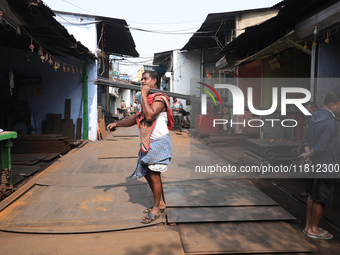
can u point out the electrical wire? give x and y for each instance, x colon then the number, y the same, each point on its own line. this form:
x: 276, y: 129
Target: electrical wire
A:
x: 169, y: 23
x: 173, y: 32
x: 56, y: 30
x: 78, y: 7
x: 165, y: 32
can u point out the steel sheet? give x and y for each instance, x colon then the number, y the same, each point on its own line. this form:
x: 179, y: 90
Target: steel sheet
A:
x: 124, y: 132
x: 23, y: 170
x: 78, y: 209
x: 214, y: 193
x: 122, y: 243
x: 224, y: 214
x: 242, y: 238
x: 122, y: 148
x: 93, y: 173
x: 17, y: 178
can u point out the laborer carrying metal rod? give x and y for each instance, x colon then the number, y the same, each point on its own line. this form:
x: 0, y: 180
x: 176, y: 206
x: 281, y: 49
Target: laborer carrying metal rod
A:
x: 154, y: 123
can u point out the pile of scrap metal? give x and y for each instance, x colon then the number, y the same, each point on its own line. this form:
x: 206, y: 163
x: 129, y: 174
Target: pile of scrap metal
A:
x: 270, y: 151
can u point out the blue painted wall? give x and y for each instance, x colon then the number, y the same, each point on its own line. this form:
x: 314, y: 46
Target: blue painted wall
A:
x: 58, y: 85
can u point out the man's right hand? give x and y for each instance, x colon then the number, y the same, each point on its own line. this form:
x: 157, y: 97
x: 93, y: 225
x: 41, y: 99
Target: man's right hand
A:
x: 111, y: 127
x: 306, y: 157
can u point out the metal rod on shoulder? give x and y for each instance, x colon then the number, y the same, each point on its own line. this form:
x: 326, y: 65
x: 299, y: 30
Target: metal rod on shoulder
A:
x: 123, y: 85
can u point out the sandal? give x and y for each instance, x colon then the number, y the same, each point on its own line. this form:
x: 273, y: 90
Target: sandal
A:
x: 147, y: 210
x: 150, y: 218
x: 324, y: 230
x: 321, y: 236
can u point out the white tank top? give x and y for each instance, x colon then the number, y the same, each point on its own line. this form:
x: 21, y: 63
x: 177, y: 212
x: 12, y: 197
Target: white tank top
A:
x: 161, y: 127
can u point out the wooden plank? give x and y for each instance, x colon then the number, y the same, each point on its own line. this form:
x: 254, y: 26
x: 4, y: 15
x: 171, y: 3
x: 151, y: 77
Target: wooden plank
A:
x: 242, y: 238
x: 43, y: 126
x: 49, y: 123
x: 57, y: 124
x: 99, y: 135
x: 67, y: 128
x: 79, y: 126
x: 225, y: 214
x: 67, y: 109
x: 102, y: 128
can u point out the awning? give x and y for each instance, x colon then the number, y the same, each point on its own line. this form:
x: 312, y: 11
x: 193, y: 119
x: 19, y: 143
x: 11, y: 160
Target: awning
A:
x: 24, y: 20
x: 162, y: 57
x: 291, y: 40
x: 117, y: 36
x: 213, y: 30
x: 257, y: 38
x: 33, y: 19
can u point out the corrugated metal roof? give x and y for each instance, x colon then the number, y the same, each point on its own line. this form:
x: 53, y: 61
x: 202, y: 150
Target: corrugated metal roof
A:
x: 257, y: 38
x: 162, y: 57
x: 117, y: 37
x: 212, y: 27
x: 37, y: 21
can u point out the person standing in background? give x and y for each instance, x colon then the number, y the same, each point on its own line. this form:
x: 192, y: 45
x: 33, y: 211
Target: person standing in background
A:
x: 123, y: 107
x: 177, y: 113
x: 322, y: 152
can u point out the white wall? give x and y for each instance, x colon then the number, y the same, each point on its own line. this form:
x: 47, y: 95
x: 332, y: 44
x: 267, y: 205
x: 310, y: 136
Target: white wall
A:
x: 126, y: 96
x: 186, y: 65
x: 86, y: 33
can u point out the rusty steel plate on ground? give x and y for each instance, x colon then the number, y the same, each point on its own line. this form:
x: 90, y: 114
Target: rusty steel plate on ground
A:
x: 93, y: 172
x: 242, y: 238
x: 120, y: 149
x: 193, y: 193
x: 224, y: 214
x: 185, y: 157
x: 91, y: 180
x: 78, y: 209
x: 124, y: 132
x: 149, y: 241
